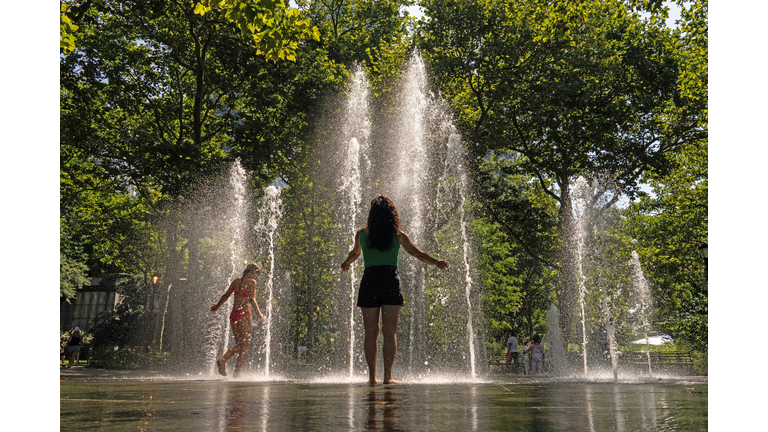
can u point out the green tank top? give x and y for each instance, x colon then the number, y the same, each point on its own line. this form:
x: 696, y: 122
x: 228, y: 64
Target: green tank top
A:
x: 374, y: 257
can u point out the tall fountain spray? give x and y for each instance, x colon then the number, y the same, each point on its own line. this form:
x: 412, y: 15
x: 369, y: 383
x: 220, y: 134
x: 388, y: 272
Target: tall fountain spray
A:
x: 217, y: 334
x: 270, y: 213
x: 402, y: 157
x: 455, y: 170
x: 590, y: 200
x: 467, y: 276
x: 412, y: 153
x: 356, y: 136
x: 556, y: 349
x: 582, y: 228
x: 644, y: 302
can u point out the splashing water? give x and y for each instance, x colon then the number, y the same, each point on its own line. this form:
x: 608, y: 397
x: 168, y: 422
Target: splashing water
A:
x: 270, y: 213
x: 643, y: 293
x: 217, y: 336
x: 412, y: 154
x: 555, y: 344
x: 467, y: 277
x: 454, y: 169
x: 356, y: 137
x: 581, y: 232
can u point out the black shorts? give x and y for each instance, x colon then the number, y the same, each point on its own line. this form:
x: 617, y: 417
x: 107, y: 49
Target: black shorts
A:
x: 380, y: 286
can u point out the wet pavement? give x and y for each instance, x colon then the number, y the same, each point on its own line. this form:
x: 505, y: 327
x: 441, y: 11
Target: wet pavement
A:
x: 92, y: 399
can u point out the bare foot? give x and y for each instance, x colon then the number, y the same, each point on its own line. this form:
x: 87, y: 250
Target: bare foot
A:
x: 236, y: 374
x: 372, y: 381
x: 389, y: 381
x: 222, y: 367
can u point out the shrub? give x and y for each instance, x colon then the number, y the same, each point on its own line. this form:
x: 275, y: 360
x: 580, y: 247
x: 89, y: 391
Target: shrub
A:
x: 700, y: 362
x: 127, y: 358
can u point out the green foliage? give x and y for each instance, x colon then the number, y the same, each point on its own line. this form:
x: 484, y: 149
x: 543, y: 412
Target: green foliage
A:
x: 358, y: 30
x: 127, y: 358
x: 569, y: 89
x: 669, y: 227
x: 276, y: 29
x: 126, y: 325
x: 700, y: 362
x: 72, y: 275
x: 519, y: 207
x: 66, y: 29
x: 574, y: 88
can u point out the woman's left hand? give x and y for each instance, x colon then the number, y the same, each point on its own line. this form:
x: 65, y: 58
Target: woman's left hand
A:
x: 213, y: 308
x: 344, y: 266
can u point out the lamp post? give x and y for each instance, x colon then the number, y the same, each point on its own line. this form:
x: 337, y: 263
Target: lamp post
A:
x: 704, y: 252
x: 155, y: 302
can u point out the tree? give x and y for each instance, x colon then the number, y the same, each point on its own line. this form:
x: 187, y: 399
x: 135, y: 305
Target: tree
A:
x: 152, y: 100
x: 355, y: 30
x: 570, y: 89
x: 669, y: 226
x: 66, y: 29
x: 276, y: 29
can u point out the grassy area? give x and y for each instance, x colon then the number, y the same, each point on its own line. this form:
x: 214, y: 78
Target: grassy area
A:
x: 75, y: 363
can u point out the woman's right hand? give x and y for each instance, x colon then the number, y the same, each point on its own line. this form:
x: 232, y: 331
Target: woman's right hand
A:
x: 442, y: 265
x: 262, y: 318
x: 213, y: 307
x: 344, y: 266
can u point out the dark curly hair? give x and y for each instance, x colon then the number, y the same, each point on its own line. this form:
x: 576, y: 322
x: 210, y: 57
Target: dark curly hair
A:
x: 383, y: 223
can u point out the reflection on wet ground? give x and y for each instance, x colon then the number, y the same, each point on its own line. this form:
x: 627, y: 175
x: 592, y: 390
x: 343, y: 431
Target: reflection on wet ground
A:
x: 153, y: 404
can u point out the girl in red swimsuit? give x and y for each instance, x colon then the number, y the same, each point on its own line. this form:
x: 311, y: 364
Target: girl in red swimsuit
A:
x: 240, y: 318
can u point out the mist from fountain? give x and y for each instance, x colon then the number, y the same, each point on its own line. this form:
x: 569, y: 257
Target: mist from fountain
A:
x: 590, y: 199
x: 582, y: 229
x: 356, y: 135
x: 270, y: 213
x: 554, y: 342
x: 431, y: 187
x: 412, y: 150
x: 217, y: 330
x: 644, y: 302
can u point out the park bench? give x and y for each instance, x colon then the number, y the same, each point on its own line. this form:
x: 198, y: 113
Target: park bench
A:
x: 667, y: 360
x: 500, y: 360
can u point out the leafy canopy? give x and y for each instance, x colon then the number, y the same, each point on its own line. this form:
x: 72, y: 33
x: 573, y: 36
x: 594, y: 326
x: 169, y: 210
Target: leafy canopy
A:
x: 276, y: 29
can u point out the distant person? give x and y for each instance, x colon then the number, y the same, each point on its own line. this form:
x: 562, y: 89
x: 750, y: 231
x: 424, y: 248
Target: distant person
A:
x: 73, y: 344
x: 537, y: 355
x: 240, y: 318
x: 63, y: 348
x: 512, y: 352
x: 379, y: 242
x: 602, y: 342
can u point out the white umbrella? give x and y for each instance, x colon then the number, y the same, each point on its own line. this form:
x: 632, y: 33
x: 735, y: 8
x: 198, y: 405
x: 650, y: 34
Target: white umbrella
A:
x: 655, y: 340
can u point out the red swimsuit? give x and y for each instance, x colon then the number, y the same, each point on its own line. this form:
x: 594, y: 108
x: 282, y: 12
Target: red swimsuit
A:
x: 236, y: 314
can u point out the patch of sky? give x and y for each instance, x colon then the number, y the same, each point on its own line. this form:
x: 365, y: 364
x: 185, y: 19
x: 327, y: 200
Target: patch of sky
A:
x: 672, y: 7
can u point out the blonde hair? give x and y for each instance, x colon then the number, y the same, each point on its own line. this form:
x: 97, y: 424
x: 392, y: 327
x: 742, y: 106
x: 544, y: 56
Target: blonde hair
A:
x: 250, y: 268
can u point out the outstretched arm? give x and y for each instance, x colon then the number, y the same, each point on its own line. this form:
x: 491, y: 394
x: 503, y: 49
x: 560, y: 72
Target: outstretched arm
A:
x: 224, y: 297
x: 353, y: 254
x: 409, y: 247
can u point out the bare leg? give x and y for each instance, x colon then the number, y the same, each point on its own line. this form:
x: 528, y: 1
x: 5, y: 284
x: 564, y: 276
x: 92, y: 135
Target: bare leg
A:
x: 371, y: 343
x: 222, y: 362
x: 71, y: 358
x: 243, y: 330
x: 389, y: 318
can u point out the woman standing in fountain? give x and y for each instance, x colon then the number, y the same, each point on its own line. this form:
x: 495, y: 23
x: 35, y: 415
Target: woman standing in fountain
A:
x: 240, y: 318
x: 379, y: 242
